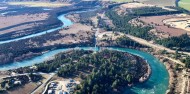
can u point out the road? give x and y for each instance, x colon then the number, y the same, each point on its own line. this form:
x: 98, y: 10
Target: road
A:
x: 44, y: 84
x: 176, y: 61
x: 155, y: 46
x: 48, y: 79
x: 21, y: 75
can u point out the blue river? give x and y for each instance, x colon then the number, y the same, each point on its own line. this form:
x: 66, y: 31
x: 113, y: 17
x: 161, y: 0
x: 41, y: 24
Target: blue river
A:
x: 157, y: 83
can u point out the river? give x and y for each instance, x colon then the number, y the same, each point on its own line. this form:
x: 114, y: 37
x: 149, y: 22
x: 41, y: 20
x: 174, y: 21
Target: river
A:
x: 156, y: 84
x: 66, y: 22
x: 62, y: 18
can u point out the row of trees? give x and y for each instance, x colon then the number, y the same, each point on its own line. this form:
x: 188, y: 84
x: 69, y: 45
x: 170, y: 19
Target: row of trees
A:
x: 187, y: 62
x: 181, y: 43
x: 126, y: 42
x: 150, y: 11
x: 122, y: 24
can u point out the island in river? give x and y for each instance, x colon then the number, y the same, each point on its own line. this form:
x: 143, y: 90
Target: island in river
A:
x: 105, y: 71
x: 107, y: 26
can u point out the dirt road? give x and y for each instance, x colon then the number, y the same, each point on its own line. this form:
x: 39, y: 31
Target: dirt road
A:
x: 155, y: 46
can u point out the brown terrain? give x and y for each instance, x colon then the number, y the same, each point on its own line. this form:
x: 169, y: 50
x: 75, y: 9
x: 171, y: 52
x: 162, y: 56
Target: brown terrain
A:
x: 27, y: 88
x: 157, y: 22
x: 161, y: 29
x: 134, y: 5
x: 75, y: 34
x: 159, y: 2
x: 29, y: 19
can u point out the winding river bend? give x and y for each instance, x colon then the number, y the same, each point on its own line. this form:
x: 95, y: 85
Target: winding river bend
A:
x: 156, y: 84
x: 62, y: 18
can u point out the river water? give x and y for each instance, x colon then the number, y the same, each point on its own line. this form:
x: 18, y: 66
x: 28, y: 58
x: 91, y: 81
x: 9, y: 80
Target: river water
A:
x: 156, y: 84
x: 62, y: 18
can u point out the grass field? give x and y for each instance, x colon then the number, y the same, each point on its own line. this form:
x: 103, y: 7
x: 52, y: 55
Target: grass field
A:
x: 185, y: 4
x: 39, y: 4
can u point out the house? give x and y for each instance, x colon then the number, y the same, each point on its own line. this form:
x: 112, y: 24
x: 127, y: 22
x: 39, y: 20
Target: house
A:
x: 17, y: 82
x: 50, y: 91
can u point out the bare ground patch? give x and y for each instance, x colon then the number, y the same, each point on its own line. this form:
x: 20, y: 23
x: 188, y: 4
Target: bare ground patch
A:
x: 161, y: 27
x: 135, y: 5
x: 25, y: 89
x: 75, y: 34
x: 159, y: 2
x: 13, y: 21
x: 40, y: 4
x: 181, y: 23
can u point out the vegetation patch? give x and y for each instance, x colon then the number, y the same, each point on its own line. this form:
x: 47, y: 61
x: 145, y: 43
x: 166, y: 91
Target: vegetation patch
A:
x: 122, y: 24
x: 15, y: 82
x: 184, y: 4
x: 105, y: 72
x: 39, y: 4
x: 179, y: 43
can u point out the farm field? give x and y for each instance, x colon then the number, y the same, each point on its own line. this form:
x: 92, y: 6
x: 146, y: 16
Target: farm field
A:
x: 185, y: 4
x: 181, y: 23
x: 168, y: 31
x: 39, y: 4
x: 27, y: 19
x: 159, y: 2
x: 134, y: 5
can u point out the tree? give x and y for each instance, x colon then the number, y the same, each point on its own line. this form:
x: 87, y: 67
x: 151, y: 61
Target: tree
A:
x: 114, y: 84
x: 129, y: 78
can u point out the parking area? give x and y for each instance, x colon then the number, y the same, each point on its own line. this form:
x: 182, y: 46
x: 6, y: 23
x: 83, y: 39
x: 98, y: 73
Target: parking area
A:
x: 65, y: 86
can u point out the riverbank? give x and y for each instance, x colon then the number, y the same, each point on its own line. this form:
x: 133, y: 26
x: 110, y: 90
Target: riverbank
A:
x: 23, y: 30
x: 157, y: 72
x: 175, y: 73
x: 82, y: 35
x: 146, y: 76
x: 171, y: 71
x: 156, y: 76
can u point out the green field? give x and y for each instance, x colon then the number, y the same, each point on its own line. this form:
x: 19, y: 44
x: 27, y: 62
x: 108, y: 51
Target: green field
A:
x: 185, y: 4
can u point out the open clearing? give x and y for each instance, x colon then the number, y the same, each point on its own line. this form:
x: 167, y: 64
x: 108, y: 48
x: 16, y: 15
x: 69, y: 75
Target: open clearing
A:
x: 185, y: 4
x: 159, y: 2
x: 39, y: 4
x: 135, y: 5
x: 14, y: 21
x: 157, y: 22
x: 77, y: 33
x: 27, y: 88
x: 182, y: 23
